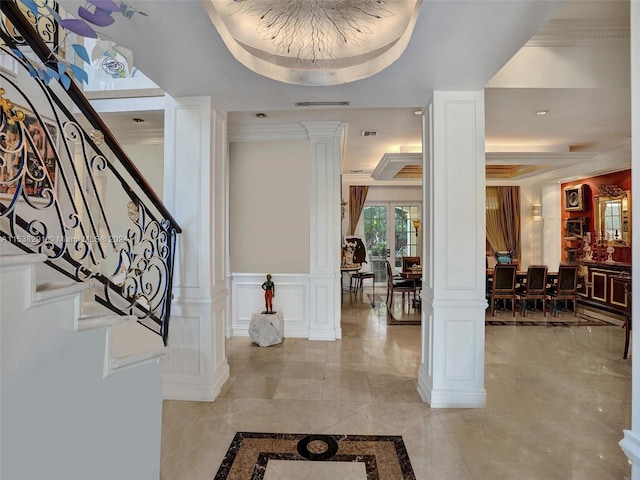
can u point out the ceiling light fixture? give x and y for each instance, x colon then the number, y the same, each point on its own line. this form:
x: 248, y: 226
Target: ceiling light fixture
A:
x: 309, y: 30
x: 261, y: 115
x: 542, y: 112
x: 138, y: 120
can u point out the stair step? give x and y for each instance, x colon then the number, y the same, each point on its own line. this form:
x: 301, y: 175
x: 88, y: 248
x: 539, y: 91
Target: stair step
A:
x: 50, y: 290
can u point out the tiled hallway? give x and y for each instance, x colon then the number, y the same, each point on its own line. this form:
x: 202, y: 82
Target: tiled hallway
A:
x: 558, y: 399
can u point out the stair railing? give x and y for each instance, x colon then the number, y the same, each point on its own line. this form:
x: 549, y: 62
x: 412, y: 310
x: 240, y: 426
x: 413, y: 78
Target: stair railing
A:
x: 68, y: 190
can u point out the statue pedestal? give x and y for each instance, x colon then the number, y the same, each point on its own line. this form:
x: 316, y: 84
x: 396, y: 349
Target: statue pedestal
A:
x: 266, y: 329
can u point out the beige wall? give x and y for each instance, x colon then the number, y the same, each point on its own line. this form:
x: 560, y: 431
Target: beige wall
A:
x: 269, y: 204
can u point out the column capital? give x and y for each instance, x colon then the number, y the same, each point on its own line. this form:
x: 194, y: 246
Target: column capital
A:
x: 333, y: 129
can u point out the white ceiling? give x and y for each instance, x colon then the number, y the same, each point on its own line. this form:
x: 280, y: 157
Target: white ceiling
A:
x: 456, y: 45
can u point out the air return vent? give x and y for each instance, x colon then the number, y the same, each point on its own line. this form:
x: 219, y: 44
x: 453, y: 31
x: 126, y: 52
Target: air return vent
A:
x: 322, y: 104
x: 369, y: 133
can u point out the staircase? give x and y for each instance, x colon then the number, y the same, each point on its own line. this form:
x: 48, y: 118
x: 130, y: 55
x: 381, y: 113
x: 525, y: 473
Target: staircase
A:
x: 86, y: 267
x: 65, y: 413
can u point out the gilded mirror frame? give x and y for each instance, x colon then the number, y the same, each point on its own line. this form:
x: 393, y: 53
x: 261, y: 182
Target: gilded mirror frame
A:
x: 611, y: 195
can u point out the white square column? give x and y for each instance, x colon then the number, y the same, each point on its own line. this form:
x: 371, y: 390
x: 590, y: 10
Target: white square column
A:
x: 452, y: 368
x: 195, y: 190
x: 326, y: 139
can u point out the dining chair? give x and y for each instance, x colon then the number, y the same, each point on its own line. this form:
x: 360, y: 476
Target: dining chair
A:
x: 409, y: 262
x: 356, y: 280
x: 566, y: 288
x: 535, y: 288
x: 503, y: 286
x: 394, y: 285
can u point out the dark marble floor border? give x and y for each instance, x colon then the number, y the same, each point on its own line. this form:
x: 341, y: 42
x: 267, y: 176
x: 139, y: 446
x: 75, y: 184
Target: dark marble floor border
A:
x: 354, y: 448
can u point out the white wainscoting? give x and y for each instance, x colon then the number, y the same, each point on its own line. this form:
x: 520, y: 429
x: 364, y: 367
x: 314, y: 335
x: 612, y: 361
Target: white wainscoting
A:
x: 291, y: 298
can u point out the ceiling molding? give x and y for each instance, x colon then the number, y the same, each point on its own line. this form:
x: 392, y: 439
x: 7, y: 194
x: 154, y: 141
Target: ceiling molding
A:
x: 561, y: 33
x: 537, y: 158
x: 392, y: 163
x: 267, y: 133
x: 366, y: 179
x: 150, y: 136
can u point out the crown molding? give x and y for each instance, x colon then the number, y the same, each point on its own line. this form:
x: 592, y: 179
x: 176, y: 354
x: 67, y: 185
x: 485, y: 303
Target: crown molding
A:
x: 561, y: 33
x: 537, y: 158
x: 367, y: 179
x: 150, y: 136
x: 267, y: 133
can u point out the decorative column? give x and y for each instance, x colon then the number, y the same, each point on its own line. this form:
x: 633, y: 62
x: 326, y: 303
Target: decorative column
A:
x: 631, y: 442
x: 452, y: 369
x: 195, y: 190
x: 326, y: 140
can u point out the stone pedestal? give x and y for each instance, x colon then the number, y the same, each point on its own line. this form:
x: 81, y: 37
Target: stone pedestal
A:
x: 266, y: 329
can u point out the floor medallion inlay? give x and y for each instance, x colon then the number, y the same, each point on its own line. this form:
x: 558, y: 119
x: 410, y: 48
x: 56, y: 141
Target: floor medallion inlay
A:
x: 384, y: 456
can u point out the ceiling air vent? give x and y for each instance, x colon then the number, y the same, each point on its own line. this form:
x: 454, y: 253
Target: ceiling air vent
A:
x: 322, y: 104
x: 369, y: 133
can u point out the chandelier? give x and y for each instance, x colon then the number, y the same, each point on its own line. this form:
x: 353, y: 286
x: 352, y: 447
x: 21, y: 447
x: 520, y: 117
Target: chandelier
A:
x: 310, y: 30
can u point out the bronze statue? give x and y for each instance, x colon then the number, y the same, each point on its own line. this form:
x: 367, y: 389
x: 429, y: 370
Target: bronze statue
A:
x: 269, y: 292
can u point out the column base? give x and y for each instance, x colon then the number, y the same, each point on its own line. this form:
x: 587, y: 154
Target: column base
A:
x: 449, y: 398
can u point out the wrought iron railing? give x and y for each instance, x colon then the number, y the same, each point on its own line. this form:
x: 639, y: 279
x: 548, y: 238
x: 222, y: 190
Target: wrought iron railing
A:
x: 68, y: 190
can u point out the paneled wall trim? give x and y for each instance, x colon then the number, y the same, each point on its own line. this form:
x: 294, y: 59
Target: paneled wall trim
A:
x: 291, y: 298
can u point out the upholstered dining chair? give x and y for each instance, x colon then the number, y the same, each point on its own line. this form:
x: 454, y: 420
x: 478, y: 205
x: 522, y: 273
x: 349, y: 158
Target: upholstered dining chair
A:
x: 395, y: 285
x: 535, y: 288
x: 566, y: 288
x: 503, y: 286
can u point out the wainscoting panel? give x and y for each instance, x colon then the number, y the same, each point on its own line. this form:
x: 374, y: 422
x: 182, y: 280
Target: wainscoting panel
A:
x: 291, y: 298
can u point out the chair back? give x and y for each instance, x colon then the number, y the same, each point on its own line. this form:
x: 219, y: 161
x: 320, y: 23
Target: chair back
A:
x: 504, y: 278
x: 408, y: 262
x: 360, y: 252
x: 536, y: 278
x: 389, y: 274
x: 567, y: 279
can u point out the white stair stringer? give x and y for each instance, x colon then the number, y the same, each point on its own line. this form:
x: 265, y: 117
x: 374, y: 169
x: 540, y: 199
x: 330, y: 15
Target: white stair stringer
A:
x: 58, y: 400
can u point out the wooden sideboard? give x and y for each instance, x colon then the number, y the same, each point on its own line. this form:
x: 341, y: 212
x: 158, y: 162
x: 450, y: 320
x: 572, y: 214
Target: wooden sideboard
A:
x: 601, y: 288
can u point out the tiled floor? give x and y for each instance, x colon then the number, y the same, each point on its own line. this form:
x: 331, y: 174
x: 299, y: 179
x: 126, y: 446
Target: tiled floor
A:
x: 558, y: 400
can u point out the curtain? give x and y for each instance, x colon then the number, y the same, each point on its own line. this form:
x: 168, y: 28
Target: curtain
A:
x: 357, y: 196
x: 510, y: 198
x: 503, y: 219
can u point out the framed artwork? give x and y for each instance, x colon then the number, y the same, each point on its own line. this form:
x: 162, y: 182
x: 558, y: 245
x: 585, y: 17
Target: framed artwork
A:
x: 27, y: 156
x: 574, y: 198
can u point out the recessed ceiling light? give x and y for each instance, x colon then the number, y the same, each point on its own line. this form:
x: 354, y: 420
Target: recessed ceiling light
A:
x: 138, y: 120
x: 418, y: 112
x: 542, y: 112
x: 261, y: 115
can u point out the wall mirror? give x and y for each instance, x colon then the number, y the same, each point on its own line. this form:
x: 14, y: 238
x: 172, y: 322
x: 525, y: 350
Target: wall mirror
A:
x: 612, y: 209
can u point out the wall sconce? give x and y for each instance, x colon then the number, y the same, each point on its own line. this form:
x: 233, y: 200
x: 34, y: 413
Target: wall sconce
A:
x: 416, y: 225
x: 343, y: 207
x: 536, y: 211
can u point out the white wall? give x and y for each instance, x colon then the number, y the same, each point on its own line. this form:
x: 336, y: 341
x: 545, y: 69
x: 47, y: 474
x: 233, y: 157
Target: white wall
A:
x: 149, y: 159
x: 269, y: 206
